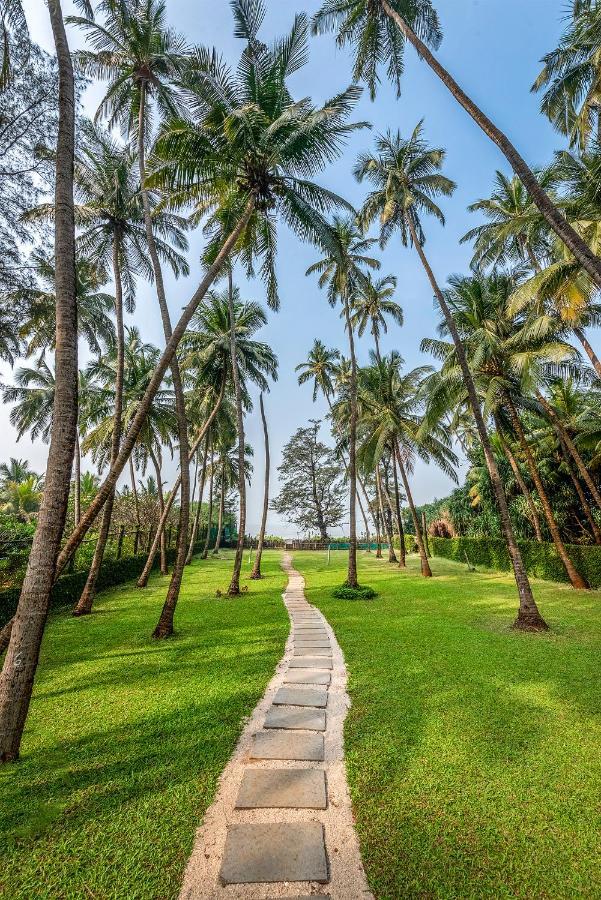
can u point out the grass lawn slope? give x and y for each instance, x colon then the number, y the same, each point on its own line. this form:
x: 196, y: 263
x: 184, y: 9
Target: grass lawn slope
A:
x: 473, y: 752
x: 127, y: 736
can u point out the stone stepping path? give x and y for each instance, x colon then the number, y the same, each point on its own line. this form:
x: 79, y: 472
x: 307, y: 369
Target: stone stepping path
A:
x: 281, y: 824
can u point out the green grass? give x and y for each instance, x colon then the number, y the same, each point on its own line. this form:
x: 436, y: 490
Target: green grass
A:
x: 127, y: 737
x: 473, y: 751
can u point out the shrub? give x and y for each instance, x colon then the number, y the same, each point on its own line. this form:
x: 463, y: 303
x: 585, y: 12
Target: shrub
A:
x: 541, y: 559
x: 358, y: 593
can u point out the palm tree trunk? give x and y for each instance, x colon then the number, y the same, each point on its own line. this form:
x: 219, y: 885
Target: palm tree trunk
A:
x: 576, y: 580
x: 20, y: 663
x: 221, y: 512
x: 386, y: 517
x: 351, y: 578
x: 164, y: 626
x: 425, y: 533
x: 571, y: 446
x: 76, y: 482
x: 5, y: 634
x: 426, y: 570
x: 143, y: 579
x: 256, y: 572
x: 521, y: 483
x: 134, y: 490
x: 378, y: 533
x: 588, y: 350
x: 86, y: 599
x: 130, y: 438
x: 554, y: 218
x: 234, y: 588
x: 528, y: 617
x: 582, y: 498
x: 205, y: 551
x: 201, y: 490
x: 159, y: 477
x: 397, y: 505
x: 359, y: 482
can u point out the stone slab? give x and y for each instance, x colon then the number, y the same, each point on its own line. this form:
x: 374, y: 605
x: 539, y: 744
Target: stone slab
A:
x: 282, y: 789
x: 315, y: 645
x: 310, y: 662
x: 308, y: 651
x: 301, y: 697
x: 307, y: 676
x: 288, y: 745
x: 274, y: 852
x: 302, y: 717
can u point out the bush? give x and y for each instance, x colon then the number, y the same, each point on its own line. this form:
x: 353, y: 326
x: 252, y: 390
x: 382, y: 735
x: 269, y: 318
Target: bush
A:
x: 68, y: 587
x: 358, y: 593
x: 541, y: 559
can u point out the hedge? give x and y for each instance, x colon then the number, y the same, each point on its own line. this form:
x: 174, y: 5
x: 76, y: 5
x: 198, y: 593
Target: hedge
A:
x: 68, y: 587
x: 541, y: 559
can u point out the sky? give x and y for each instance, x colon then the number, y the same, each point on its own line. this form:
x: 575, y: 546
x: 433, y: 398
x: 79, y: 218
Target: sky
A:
x: 493, y: 49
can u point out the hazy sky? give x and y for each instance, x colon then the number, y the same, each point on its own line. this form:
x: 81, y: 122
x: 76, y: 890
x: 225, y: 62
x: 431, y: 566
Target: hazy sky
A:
x: 493, y: 48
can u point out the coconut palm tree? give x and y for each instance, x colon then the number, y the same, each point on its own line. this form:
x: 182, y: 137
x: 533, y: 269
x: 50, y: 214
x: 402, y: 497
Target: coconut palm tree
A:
x: 141, y: 59
x: 21, y: 498
x: 16, y: 470
x: 33, y: 394
x: 406, y: 181
x: 20, y: 663
x: 508, y: 357
x: 258, y: 175
x: 571, y: 77
x: 256, y: 571
x: 320, y: 368
x: 341, y: 272
x: 372, y: 303
x: 377, y: 30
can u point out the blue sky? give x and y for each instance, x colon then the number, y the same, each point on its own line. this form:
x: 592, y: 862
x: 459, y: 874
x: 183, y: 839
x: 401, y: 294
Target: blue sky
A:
x: 493, y: 48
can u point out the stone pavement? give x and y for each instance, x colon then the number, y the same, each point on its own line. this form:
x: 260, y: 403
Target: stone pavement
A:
x: 281, y: 824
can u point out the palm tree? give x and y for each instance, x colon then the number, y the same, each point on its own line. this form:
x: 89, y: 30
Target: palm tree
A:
x: 406, y: 180
x: 369, y: 25
x: 256, y: 572
x: 320, y: 368
x: 21, y: 498
x: 256, y: 174
x: 20, y: 663
x: 16, y: 470
x: 507, y: 355
x: 341, y: 272
x: 371, y: 304
x: 33, y: 394
x: 13, y: 26
x: 571, y: 78
x: 141, y: 58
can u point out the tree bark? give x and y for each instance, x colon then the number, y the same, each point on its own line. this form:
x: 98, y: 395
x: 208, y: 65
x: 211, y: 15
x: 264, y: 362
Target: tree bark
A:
x: 159, y: 477
x: 221, y: 512
x: 351, y: 578
x: 256, y: 572
x: 359, y: 482
x: 387, y: 517
x: 138, y: 420
x: 143, y: 579
x: 426, y: 570
x: 201, y: 490
x: 134, y: 490
x: 5, y: 634
x: 553, y: 217
x: 86, y: 599
x: 596, y: 362
x: 528, y: 617
x: 521, y: 483
x: 20, y: 663
x: 205, y: 551
x: 397, y: 505
x: 576, y: 580
x: 76, y: 482
x: 234, y: 588
x: 425, y: 533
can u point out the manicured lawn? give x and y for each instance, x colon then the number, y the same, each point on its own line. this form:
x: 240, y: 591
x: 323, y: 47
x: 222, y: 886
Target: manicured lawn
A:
x: 127, y: 737
x: 474, y: 752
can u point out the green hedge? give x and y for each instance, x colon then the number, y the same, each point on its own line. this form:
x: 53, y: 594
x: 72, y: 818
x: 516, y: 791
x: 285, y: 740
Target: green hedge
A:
x: 541, y: 559
x: 68, y: 588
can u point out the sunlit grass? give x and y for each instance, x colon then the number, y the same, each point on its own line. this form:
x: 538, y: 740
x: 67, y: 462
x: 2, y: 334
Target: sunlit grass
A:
x: 127, y: 736
x: 473, y: 751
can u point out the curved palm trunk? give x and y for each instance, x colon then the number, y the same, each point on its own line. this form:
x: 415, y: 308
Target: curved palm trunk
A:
x: 20, y: 663
x: 351, y: 578
x: 201, y: 490
x: 86, y: 599
x: 234, y: 588
x: 159, y: 477
x: 426, y: 570
x: 521, y: 483
x: 571, y: 447
x: 528, y: 616
x: 596, y: 362
x: 205, y: 551
x: 553, y: 217
x: 425, y: 534
x: 256, y: 572
x: 133, y: 432
x: 134, y: 490
x: 220, y: 514
x: 397, y: 505
x: 576, y: 580
x: 143, y: 579
x: 596, y: 532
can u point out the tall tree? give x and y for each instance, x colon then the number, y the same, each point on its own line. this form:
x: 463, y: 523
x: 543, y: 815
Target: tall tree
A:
x: 378, y: 29
x: 256, y: 572
x: 20, y: 663
x: 372, y: 303
x: 406, y: 180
